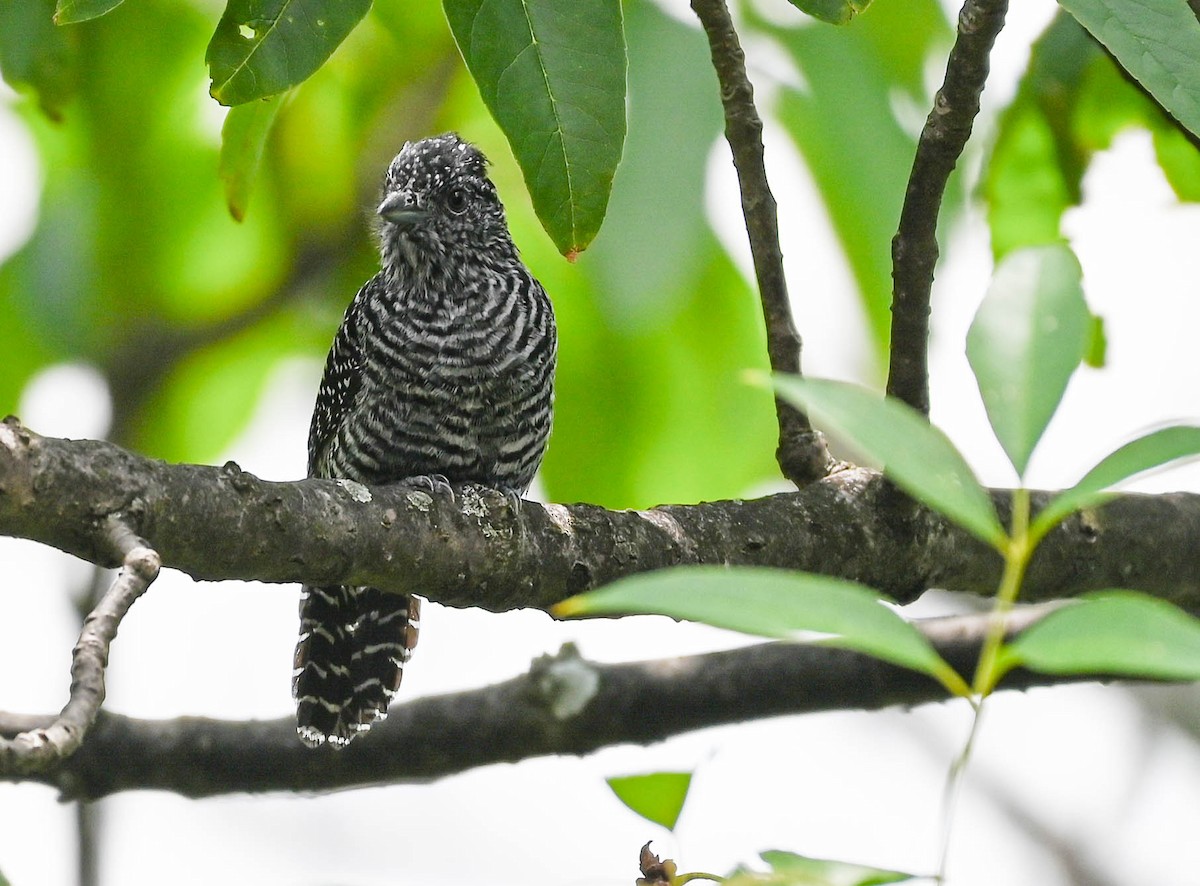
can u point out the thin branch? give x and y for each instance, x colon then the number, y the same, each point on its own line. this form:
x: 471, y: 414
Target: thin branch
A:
x: 564, y: 705
x: 802, y: 455
x: 44, y: 748
x: 476, y: 550
x: 915, y: 248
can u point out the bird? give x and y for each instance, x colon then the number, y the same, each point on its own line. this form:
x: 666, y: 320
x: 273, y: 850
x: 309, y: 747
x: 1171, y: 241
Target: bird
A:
x: 441, y: 373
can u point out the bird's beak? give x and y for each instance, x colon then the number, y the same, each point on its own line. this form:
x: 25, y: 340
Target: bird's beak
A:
x: 400, y: 208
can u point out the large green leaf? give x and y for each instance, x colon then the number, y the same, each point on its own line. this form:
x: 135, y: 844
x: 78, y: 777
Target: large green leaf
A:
x: 1143, y: 454
x: 243, y: 137
x: 1113, y: 633
x: 73, y: 11
x: 658, y: 797
x: 771, y: 603
x: 1028, y: 337
x: 790, y: 869
x: 1157, y: 41
x: 263, y: 47
x: 915, y: 455
x: 553, y: 76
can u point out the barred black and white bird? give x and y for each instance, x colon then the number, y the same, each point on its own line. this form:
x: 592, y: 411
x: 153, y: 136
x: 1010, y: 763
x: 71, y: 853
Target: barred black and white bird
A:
x: 442, y: 370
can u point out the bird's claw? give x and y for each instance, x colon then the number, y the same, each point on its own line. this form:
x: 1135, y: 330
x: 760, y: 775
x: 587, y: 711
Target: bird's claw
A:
x: 514, y: 500
x: 435, y: 484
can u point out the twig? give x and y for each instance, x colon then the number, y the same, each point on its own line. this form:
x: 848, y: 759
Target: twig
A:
x: 915, y: 248
x: 40, y: 749
x: 563, y: 705
x: 802, y: 454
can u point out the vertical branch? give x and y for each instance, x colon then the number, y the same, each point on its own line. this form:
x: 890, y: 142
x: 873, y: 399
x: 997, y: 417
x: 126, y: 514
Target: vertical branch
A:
x: 914, y: 248
x: 801, y: 454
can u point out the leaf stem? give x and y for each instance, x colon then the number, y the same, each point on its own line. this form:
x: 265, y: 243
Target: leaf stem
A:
x: 954, y: 780
x: 1017, y: 554
x: 1018, y: 550
x: 695, y: 875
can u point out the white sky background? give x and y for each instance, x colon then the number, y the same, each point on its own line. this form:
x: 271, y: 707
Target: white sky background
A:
x: 1087, y: 762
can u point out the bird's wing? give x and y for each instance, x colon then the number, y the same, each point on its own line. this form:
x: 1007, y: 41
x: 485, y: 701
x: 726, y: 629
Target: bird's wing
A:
x: 340, y: 384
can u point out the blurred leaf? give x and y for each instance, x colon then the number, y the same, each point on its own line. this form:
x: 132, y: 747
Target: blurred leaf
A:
x: 1096, y: 354
x: 771, y: 603
x: 211, y: 393
x: 1072, y: 101
x: 72, y: 11
x: 243, y: 137
x: 1114, y: 633
x: 915, y: 455
x: 860, y: 159
x: 1143, y: 454
x: 1157, y: 41
x: 658, y: 797
x: 36, y: 54
x: 1179, y: 158
x: 24, y: 345
x: 789, y: 869
x: 553, y: 75
x: 263, y: 47
x: 836, y: 12
x: 1036, y: 165
x: 419, y: 30
x: 1028, y: 337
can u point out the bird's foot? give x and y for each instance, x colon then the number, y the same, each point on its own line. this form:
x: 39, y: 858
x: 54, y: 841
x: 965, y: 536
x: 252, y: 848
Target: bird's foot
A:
x: 513, y: 498
x: 434, y: 484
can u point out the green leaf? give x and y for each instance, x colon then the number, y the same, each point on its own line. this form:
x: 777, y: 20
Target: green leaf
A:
x: 243, y: 138
x: 1111, y: 632
x: 771, y: 603
x: 836, y: 12
x: 790, y: 869
x: 915, y: 455
x: 1157, y: 41
x: 658, y: 797
x: 72, y: 11
x: 34, y: 53
x: 1029, y: 336
x: 262, y: 47
x: 553, y: 76
x: 1153, y: 450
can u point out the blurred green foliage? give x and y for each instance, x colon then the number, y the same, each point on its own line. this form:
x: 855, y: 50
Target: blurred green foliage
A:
x: 1072, y: 102
x: 137, y: 266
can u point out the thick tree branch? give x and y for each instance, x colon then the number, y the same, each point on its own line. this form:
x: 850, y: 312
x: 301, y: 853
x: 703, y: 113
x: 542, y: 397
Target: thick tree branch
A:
x: 223, y: 523
x: 45, y: 747
x: 802, y: 454
x: 915, y: 248
x: 564, y: 705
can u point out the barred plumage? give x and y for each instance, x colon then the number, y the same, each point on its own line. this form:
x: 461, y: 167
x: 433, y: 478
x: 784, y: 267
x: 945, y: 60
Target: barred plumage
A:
x: 442, y: 368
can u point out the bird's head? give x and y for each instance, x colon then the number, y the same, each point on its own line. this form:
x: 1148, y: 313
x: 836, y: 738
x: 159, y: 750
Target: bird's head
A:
x: 439, y: 207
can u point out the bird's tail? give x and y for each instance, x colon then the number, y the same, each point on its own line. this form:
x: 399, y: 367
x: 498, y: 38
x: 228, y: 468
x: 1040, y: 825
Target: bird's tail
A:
x: 349, y: 660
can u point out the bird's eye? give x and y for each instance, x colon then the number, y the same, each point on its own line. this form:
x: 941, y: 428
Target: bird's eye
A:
x: 456, y: 201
